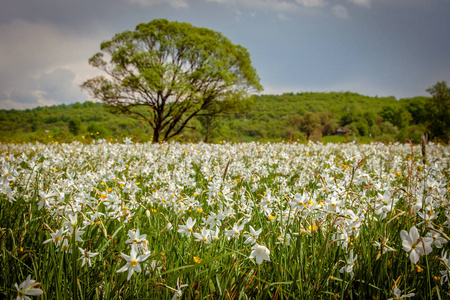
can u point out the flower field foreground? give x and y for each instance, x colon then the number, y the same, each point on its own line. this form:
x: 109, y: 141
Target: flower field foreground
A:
x: 234, y: 221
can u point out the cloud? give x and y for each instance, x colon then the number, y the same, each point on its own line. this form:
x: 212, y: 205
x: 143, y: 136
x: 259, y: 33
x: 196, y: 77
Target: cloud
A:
x: 30, y: 55
x: 364, y: 3
x: 312, y: 3
x: 271, y: 5
x: 3, y: 96
x: 59, y: 86
x: 340, y: 12
x: 173, y: 3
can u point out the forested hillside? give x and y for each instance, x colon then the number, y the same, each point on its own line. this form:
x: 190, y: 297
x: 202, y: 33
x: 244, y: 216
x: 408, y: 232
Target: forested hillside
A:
x: 301, y: 116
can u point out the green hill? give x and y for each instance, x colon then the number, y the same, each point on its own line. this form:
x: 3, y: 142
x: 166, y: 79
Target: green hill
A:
x: 300, y: 116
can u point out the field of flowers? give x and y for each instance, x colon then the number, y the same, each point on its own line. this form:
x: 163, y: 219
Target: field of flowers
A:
x: 227, y: 221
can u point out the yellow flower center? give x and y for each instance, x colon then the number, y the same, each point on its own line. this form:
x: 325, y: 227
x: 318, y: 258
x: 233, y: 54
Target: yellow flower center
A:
x: 134, y: 262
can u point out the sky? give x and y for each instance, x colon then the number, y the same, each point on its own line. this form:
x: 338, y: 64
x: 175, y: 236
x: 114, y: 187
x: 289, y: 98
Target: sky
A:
x: 372, y: 47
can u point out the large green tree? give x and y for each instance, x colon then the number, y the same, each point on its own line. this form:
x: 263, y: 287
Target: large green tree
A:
x: 169, y: 72
x: 438, y: 108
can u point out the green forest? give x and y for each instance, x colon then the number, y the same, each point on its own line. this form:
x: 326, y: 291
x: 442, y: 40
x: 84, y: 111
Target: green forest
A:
x: 326, y: 117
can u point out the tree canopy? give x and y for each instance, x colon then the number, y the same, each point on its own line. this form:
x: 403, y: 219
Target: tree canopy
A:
x: 176, y: 70
x: 438, y: 109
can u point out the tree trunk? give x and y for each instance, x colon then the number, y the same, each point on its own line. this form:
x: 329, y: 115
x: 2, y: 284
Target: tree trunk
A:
x: 155, y: 136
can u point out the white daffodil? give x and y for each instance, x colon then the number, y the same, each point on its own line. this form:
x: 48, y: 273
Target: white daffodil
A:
x: 260, y: 253
x: 438, y: 240
x: 398, y: 294
x: 135, y: 237
x: 86, y: 256
x: 252, y: 236
x: 350, y: 263
x: 412, y: 242
x: 132, y: 261
x: 26, y: 289
x: 214, y: 234
x: 56, y: 237
x: 188, y: 228
x: 235, y: 232
x: 179, y: 292
x: 446, y: 262
x: 204, y: 237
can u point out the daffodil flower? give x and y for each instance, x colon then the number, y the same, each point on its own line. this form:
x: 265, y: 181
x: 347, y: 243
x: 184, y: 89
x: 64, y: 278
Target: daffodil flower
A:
x: 412, y: 242
x: 135, y: 237
x: 235, y: 232
x: 86, y: 256
x: 56, y: 237
x: 252, y: 236
x: 260, y: 253
x: 178, y: 293
x: 132, y: 261
x: 398, y: 294
x: 204, y: 237
x: 188, y: 228
x: 26, y: 289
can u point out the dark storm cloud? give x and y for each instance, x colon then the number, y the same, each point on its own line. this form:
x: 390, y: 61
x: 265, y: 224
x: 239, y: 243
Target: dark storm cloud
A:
x: 60, y: 87
x: 374, y: 47
x: 3, y: 96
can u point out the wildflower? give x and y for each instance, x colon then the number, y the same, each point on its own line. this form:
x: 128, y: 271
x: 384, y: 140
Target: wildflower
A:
x: 197, y: 260
x: 412, y: 242
x: 398, y: 294
x: 252, y: 236
x: 446, y: 262
x: 260, y: 253
x: 135, y: 237
x: 86, y: 256
x: 235, y: 231
x: 56, y: 237
x: 187, y: 229
x: 178, y: 293
x: 214, y: 219
x: 132, y: 261
x: 214, y: 234
x: 437, y: 239
x: 350, y: 263
x: 26, y: 288
x: 72, y: 223
x: 383, y: 246
x: 204, y: 237
x: 419, y: 268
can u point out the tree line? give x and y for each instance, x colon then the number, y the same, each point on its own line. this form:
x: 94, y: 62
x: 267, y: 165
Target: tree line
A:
x: 291, y: 116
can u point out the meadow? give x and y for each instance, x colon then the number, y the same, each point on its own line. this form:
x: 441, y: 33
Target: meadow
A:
x: 104, y: 220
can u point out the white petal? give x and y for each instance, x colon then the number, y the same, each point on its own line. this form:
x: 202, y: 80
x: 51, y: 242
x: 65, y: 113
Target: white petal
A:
x: 124, y: 268
x: 33, y: 292
x: 414, y: 234
x: 137, y: 268
x: 130, y: 273
x: 414, y: 256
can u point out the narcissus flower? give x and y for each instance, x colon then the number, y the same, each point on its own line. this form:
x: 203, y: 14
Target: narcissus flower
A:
x: 188, y: 228
x: 260, y: 253
x: 414, y: 243
x: 398, y: 294
x: 86, y: 256
x: 252, y: 236
x: 132, y: 261
x: 135, y: 237
x: 179, y: 292
x: 26, y: 289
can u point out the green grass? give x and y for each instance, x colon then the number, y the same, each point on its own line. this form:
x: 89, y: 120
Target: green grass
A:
x: 156, y: 188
